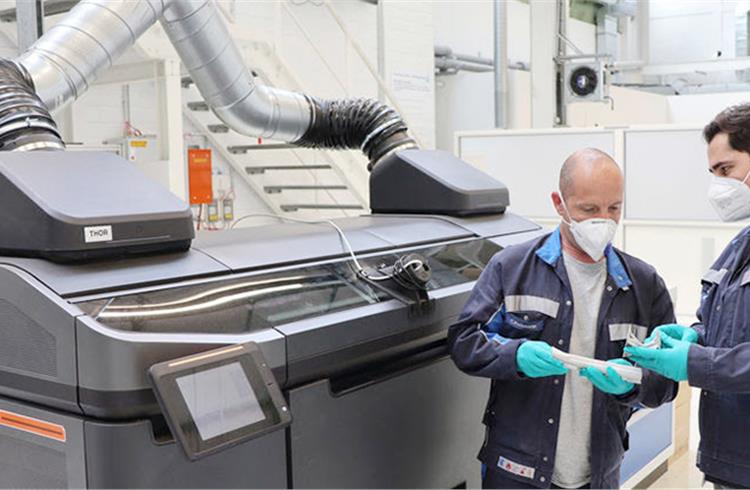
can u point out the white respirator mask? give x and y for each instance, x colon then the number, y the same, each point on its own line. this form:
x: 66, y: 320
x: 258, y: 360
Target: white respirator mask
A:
x: 592, y: 235
x: 730, y: 198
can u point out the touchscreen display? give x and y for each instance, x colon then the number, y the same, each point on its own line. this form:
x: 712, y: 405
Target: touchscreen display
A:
x: 220, y: 400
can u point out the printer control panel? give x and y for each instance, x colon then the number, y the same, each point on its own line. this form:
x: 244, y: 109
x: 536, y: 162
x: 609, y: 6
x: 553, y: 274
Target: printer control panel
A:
x: 218, y: 399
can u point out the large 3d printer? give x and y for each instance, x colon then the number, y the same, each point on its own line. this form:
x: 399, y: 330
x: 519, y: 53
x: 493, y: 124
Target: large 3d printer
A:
x: 289, y: 355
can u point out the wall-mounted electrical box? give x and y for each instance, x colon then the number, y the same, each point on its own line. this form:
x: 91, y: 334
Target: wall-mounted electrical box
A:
x: 199, y: 173
x: 138, y: 149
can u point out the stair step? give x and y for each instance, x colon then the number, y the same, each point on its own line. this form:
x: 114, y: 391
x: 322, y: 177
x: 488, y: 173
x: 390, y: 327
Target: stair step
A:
x: 297, y: 207
x: 199, y: 105
x: 218, y: 128
x: 276, y: 189
x: 239, y: 149
x: 262, y: 169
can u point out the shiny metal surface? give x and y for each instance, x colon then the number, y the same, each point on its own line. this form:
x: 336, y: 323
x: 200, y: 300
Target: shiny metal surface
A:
x: 65, y: 61
x: 202, y: 40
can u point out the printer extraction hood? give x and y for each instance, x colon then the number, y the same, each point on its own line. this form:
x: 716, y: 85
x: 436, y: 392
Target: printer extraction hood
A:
x: 65, y: 206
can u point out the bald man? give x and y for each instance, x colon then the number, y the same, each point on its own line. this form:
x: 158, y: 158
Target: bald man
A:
x: 572, y: 290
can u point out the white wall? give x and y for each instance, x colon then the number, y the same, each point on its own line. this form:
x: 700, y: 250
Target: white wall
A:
x: 629, y: 107
x: 99, y: 114
x: 691, y: 31
x: 409, y: 69
x: 465, y: 101
x: 700, y: 109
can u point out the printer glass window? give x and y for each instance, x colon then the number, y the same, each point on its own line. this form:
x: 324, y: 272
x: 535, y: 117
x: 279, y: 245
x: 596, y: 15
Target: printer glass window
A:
x: 255, y: 302
x: 237, y: 305
x: 452, y: 263
x: 458, y: 263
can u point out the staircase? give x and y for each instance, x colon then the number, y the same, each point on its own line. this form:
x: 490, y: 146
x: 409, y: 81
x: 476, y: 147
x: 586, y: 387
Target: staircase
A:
x: 299, y: 182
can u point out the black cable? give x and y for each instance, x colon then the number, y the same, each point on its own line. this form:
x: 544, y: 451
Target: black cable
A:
x: 410, y: 271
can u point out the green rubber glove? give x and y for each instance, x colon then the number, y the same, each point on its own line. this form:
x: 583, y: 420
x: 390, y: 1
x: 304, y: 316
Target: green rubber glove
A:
x: 670, y: 361
x: 675, y: 331
x: 609, y: 382
x: 534, y: 359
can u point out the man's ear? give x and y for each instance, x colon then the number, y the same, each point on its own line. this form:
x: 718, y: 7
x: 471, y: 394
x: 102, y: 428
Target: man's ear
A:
x: 557, y: 202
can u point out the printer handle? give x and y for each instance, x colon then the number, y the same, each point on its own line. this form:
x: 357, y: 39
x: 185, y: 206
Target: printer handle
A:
x: 389, y: 368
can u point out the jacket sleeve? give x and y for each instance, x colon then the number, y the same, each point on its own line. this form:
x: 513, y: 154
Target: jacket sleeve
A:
x: 721, y: 369
x: 701, y: 330
x: 655, y: 389
x: 473, y: 350
x: 698, y: 326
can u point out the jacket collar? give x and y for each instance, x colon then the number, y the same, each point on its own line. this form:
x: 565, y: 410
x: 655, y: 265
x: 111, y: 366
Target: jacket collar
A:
x: 551, y: 251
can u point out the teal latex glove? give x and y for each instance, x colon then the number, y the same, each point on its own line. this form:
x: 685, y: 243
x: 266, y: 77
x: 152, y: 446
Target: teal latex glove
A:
x: 675, y: 331
x: 534, y: 359
x: 670, y: 361
x: 609, y: 382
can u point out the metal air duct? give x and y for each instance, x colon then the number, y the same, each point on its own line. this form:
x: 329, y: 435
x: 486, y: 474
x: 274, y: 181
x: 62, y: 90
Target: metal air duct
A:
x: 64, y: 62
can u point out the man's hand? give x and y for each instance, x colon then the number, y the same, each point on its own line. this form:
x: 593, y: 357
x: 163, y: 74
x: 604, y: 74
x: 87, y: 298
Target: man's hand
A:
x: 534, y: 359
x: 670, y: 361
x: 611, y: 382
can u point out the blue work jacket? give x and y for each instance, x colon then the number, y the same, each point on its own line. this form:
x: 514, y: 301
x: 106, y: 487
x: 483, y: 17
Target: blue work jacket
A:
x: 720, y: 365
x: 524, y: 294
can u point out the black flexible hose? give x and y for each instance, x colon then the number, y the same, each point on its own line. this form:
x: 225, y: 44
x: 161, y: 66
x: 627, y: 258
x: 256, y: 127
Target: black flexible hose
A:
x: 365, y: 124
x: 25, y: 122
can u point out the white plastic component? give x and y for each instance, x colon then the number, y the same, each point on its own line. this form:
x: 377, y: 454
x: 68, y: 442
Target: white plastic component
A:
x: 221, y: 185
x: 630, y: 374
x: 635, y: 341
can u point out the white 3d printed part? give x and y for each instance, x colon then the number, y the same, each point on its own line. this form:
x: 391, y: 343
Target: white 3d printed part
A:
x: 631, y: 374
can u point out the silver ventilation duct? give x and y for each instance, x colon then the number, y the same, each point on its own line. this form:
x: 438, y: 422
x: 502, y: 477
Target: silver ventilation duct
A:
x: 64, y: 62
x: 202, y: 40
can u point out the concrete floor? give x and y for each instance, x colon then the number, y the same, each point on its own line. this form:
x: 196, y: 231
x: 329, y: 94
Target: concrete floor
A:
x: 682, y: 474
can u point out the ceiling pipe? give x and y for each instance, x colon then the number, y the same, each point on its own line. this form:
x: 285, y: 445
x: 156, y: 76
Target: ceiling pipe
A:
x: 500, y: 24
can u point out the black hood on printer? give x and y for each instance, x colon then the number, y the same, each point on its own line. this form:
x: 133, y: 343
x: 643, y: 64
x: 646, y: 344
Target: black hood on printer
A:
x: 72, y: 206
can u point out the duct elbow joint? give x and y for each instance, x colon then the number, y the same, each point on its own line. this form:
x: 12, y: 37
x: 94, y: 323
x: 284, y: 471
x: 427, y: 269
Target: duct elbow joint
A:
x: 365, y: 124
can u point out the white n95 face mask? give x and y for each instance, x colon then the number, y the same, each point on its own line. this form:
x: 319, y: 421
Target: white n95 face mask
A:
x: 730, y: 198
x: 592, y: 235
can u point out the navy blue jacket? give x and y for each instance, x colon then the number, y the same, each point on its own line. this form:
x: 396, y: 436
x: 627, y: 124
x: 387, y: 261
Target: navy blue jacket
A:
x: 720, y: 365
x: 524, y: 293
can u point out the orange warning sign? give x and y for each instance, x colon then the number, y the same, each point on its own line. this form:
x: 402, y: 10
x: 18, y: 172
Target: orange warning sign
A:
x: 199, y: 172
x: 32, y: 425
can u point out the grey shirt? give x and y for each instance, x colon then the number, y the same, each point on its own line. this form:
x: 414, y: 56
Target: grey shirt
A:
x: 572, y: 457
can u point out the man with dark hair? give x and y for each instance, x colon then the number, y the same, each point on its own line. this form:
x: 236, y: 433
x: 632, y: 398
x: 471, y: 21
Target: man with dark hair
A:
x: 714, y: 353
x: 570, y: 289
